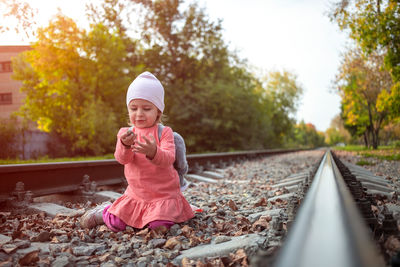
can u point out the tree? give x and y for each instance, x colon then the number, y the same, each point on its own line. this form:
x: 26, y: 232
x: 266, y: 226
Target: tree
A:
x: 204, y: 82
x: 283, y: 92
x: 8, y: 138
x: 75, y: 83
x: 361, y: 82
x: 305, y: 135
x: 76, y: 80
x: 209, y: 94
x: 337, y: 132
x: 374, y: 25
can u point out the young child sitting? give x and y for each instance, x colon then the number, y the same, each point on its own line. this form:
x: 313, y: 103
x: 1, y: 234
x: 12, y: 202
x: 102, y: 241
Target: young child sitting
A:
x: 153, y: 197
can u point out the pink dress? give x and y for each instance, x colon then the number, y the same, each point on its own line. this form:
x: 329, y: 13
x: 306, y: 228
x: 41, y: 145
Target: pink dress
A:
x: 153, y: 191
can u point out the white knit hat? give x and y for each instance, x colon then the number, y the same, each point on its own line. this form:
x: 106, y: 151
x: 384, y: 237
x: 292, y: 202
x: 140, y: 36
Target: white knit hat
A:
x: 146, y: 86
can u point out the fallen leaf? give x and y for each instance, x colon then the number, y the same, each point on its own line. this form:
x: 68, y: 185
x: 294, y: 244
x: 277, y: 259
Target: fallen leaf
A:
x: 29, y: 258
x: 232, y: 205
x: 240, y: 256
x: 103, y: 228
x: 156, y: 233
x: 172, y: 242
x: 161, y: 230
x: 104, y: 257
x: 199, y: 263
x: 261, y: 224
x: 392, y: 243
x: 244, y: 221
x: 186, y: 262
x: 194, y: 241
x: 238, y: 233
x: 67, y: 250
x: 186, y: 230
x: 143, y: 232
x: 261, y: 202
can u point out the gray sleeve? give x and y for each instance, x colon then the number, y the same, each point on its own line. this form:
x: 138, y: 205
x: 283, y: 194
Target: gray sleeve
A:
x: 180, y: 154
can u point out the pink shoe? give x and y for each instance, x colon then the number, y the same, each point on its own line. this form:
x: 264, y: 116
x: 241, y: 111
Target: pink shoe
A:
x: 94, y: 216
x: 195, y: 209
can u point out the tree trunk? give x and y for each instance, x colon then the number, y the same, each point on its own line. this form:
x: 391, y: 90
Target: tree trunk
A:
x: 371, y: 126
x: 366, y: 139
x: 374, y: 141
x: 376, y: 133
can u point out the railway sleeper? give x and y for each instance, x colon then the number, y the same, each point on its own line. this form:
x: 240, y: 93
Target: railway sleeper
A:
x: 367, y: 188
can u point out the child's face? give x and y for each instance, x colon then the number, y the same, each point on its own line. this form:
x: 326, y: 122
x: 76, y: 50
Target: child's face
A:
x: 142, y: 113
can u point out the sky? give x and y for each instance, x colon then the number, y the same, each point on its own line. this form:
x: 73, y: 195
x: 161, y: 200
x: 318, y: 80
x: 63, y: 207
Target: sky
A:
x: 273, y: 35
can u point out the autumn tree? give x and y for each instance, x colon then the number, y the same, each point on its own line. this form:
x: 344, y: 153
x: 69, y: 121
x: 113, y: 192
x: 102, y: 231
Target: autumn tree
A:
x: 361, y: 82
x: 210, y: 93
x: 204, y: 82
x: 75, y: 82
x: 374, y: 25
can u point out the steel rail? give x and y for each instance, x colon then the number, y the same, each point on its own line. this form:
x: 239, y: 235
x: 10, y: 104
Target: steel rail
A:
x: 50, y: 178
x: 328, y: 229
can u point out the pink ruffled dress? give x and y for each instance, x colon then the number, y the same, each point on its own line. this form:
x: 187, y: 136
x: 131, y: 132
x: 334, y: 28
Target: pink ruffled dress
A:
x: 153, y: 191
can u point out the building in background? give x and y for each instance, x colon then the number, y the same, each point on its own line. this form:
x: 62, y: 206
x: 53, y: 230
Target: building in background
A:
x: 30, y: 143
x: 10, y: 96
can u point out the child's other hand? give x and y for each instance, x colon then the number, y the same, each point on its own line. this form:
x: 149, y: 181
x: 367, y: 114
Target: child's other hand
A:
x: 128, y: 138
x: 149, y: 148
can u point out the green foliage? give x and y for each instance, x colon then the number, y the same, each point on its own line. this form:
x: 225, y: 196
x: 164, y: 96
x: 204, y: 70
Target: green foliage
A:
x: 395, y: 156
x: 47, y: 159
x: 337, y: 133
x: 364, y: 162
x: 305, y: 135
x: 397, y: 144
x: 8, y: 136
x: 383, y: 152
x: 361, y: 84
x: 334, y: 137
x: 352, y: 148
x: 374, y: 25
x: 74, y: 82
x: 283, y: 93
x: 209, y: 93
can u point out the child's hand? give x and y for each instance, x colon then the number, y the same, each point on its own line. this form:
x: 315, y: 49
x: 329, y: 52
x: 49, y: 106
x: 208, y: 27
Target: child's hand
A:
x: 149, y: 148
x: 128, y: 138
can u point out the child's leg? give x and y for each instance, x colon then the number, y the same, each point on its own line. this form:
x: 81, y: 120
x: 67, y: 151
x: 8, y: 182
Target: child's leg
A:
x: 158, y: 223
x: 94, y: 216
x: 112, y: 221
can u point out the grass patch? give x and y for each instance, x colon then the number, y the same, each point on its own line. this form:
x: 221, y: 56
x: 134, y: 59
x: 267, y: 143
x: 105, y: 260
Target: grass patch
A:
x: 364, y: 162
x: 383, y: 152
x: 386, y: 156
x: 46, y: 159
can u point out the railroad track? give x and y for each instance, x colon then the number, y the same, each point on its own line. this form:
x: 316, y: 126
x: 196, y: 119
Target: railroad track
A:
x: 277, y: 210
x: 42, y: 179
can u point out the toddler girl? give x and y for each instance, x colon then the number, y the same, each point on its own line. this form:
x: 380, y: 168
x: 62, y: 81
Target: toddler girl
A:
x: 153, y: 196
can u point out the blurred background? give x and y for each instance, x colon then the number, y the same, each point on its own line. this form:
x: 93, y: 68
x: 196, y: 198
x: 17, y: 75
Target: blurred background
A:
x: 238, y: 75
